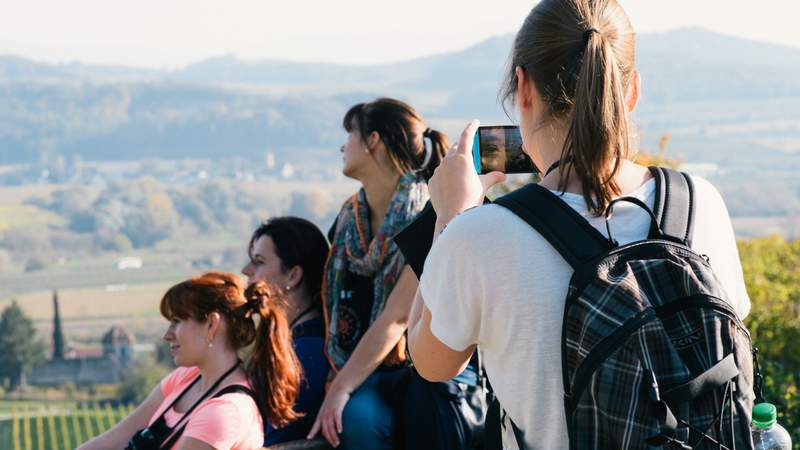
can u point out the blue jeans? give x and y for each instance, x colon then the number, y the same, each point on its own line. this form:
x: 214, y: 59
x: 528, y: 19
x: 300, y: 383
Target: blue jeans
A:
x: 368, y: 420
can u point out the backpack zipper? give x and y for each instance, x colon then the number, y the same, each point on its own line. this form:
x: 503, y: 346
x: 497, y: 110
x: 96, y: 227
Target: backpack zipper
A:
x: 703, y: 300
x: 587, y: 271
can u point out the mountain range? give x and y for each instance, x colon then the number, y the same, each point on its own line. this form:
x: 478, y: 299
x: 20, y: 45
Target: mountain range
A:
x: 225, y: 106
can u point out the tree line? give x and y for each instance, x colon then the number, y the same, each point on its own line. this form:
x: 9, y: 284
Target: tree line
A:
x: 139, y: 214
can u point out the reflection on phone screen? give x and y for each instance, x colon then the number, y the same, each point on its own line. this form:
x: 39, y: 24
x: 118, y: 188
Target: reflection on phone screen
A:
x: 501, y: 150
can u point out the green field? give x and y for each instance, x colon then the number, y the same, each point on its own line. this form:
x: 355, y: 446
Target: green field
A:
x: 26, y: 215
x: 29, y: 425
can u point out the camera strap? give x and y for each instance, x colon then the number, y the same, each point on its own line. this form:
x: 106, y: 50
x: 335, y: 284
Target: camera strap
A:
x: 232, y: 389
x: 175, y: 435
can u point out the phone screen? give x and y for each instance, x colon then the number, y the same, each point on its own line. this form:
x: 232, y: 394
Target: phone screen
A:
x: 499, y: 148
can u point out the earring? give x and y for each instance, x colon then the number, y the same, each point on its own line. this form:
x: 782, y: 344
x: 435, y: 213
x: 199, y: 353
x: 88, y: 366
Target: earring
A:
x: 288, y: 288
x: 210, y: 345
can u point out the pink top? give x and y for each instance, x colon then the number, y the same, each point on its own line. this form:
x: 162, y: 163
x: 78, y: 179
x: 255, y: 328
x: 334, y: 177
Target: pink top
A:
x: 230, y: 422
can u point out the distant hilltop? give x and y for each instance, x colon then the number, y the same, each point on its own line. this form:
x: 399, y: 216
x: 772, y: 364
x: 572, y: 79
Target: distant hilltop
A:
x: 684, y: 46
x: 225, y: 106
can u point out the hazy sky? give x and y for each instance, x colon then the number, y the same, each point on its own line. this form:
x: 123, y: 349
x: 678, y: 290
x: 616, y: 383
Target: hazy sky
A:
x: 173, y: 33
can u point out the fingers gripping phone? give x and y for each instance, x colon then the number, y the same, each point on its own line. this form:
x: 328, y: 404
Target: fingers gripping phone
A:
x: 499, y: 148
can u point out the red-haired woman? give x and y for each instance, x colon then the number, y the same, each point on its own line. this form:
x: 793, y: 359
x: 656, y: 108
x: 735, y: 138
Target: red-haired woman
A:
x: 213, y: 400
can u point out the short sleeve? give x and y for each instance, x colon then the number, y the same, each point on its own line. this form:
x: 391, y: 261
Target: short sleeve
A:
x: 217, y: 422
x: 714, y: 236
x: 177, y: 379
x: 452, y: 289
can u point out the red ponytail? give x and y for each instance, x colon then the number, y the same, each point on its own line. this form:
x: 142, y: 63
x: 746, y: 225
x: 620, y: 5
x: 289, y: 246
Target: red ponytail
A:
x: 273, y: 368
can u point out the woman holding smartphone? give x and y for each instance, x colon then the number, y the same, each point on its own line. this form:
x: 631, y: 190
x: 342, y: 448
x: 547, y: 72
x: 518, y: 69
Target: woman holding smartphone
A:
x: 368, y: 288
x: 573, y: 82
x: 214, y: 400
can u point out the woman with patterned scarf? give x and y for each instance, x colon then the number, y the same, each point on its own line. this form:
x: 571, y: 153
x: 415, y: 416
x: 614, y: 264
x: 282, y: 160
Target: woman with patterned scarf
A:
x: 368, y: 288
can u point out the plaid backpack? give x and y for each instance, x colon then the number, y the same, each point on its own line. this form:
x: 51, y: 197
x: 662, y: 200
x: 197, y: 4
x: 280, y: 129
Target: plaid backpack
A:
x: 653, y: 354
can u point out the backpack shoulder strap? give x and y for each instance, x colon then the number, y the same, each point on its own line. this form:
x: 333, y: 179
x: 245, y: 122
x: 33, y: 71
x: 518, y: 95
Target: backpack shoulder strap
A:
x: 567, y: 231
x: 674, y: 205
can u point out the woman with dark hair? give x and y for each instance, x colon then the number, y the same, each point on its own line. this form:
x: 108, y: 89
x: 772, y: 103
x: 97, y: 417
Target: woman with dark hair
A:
x: 290, y: 253
x: 573, y: 81
x: 213, y: 400
x: 368, y: 287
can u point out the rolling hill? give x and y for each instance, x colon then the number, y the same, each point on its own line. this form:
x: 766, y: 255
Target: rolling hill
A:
x: 716, y: 95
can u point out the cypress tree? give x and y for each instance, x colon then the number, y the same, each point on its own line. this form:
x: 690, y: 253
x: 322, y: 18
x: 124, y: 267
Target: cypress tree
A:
x: 58, y: 333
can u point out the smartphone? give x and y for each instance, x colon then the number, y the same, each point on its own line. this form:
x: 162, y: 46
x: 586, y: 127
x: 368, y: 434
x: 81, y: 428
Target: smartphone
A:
x: 499, y: 148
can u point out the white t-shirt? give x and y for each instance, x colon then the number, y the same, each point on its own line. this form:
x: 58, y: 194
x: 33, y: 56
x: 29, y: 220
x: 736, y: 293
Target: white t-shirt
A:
x: 492, y: 280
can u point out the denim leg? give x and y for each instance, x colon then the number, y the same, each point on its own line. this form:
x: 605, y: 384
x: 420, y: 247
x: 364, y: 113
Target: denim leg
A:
x: 367, y: 420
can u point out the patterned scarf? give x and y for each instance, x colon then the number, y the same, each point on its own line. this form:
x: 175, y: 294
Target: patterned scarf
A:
x: 378, y: 258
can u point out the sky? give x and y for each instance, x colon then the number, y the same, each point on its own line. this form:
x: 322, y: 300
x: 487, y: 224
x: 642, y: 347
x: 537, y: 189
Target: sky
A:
x: 174, y: 33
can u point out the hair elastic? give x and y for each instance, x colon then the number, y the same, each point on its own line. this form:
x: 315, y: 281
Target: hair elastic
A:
x: 428, y: 150
x: 428, y: 154
x: 588, y: 33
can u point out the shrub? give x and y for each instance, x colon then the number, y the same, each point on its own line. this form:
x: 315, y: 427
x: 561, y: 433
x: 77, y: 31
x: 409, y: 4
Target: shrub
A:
x: 137, y: 384
x: 772, y: 275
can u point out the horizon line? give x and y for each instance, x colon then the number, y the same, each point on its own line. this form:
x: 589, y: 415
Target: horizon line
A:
x: 300, y: 61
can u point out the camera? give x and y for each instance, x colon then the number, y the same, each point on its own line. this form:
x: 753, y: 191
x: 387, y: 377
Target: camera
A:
x: 150, y: 438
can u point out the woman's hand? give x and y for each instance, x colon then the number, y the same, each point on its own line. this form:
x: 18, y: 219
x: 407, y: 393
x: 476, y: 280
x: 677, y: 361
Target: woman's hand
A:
x: 455, y: 185
x: 329, y: 417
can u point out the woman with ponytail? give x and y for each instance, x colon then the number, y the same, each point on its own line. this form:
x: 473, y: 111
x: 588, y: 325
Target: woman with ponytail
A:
x: 493, y: 281
x: 214, y: 399
x: 290, y: 253
x: 367, y: 287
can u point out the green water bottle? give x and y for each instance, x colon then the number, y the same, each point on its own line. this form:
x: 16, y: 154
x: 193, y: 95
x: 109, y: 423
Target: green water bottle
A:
x: 767, y: 433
